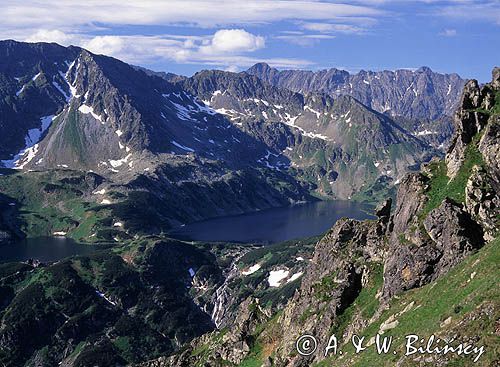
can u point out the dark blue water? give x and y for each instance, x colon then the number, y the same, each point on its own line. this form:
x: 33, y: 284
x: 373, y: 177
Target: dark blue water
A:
x: 44, y: 249
x: 274, y: 225
x: 267, y: 226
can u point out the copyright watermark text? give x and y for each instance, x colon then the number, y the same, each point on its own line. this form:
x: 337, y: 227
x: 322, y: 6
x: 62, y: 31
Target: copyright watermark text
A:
x: 307, y: 345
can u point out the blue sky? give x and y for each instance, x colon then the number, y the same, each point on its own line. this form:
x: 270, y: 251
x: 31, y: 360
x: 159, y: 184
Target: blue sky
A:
x: 184, y: 36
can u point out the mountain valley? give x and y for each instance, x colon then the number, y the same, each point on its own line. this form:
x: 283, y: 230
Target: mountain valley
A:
x: 115, y: 156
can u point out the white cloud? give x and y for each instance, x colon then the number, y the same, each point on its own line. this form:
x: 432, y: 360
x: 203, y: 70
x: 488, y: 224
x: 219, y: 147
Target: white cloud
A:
x: 64, y: 23
x: 304, y: 40
x: 488, y: 11
x: 232, y: 68
x: 67, y: 23
x: 108, y: 45
x: 56, y: 13
x: 216, y: 50
x: 333, y: 28
x: 45, y: 35
x: 233, y: 41
x: 448, y: 33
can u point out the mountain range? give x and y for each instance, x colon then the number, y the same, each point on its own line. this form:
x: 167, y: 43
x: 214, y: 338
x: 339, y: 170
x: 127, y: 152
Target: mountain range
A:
x: 222, y: 142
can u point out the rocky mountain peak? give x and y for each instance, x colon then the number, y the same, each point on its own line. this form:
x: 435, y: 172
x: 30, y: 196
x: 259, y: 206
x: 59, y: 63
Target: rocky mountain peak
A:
x: 261, y: 67
x: 406, y: 94
x: 424, y: 69
x: 495, y: 82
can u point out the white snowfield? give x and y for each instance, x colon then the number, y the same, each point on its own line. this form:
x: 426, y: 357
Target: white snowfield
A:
x: 183, y: 147
x: 251, y: 269
x: 85, y: 109
x: 294, y: 277
x: 426, y: 132
x: 276, y: 277
x: 26, y: 155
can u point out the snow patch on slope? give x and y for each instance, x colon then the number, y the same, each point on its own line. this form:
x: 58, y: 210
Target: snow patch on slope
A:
x: 251, y: 269
x: 85, y: 109
x: 31, y: 140
x: 276, y: 277
x: 183, y: 147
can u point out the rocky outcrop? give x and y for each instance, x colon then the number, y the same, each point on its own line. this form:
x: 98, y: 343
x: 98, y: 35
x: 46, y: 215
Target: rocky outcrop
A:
x: 488, y: 146
x: 383, y: 210
x: 454, y: 232
x: 410, y: 201
x: 333, y: 280
x: 237, y: 341
x: 233, y: 346
x: 470, y: 118
x: 482, y: 201
x: 423, y: 249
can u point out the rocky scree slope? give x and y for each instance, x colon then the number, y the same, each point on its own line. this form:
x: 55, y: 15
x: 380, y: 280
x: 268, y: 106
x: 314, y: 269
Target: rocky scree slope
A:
x: 426, y: 267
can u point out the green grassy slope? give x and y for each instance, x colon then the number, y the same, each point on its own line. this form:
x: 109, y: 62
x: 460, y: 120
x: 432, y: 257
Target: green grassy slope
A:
x: 465, y: 304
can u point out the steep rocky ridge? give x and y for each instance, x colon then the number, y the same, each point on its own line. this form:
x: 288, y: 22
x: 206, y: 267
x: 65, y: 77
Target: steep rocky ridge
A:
x: 147, y: 137
x: 436, y: 94
x: 425, y: 237
x: 30, y: 83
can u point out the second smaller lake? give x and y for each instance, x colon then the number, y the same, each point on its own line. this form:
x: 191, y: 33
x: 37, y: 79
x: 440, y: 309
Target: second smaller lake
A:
x: 45, y: 249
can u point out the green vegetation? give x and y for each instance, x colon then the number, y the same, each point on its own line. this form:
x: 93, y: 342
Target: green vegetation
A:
x: 254, y: 358
x: 264, y: 338
x: 381, y: 189
x: 440, y: 185
x: 496, y: 107
x: 279, y: 253
x: 283, y: 254
x: 73, y: 135
x: 323, y: 289
x: 494, y: 110
x: 53, y: 201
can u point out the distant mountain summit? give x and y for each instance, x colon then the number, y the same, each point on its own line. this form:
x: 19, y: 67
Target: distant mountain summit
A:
x: 421, y: 101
